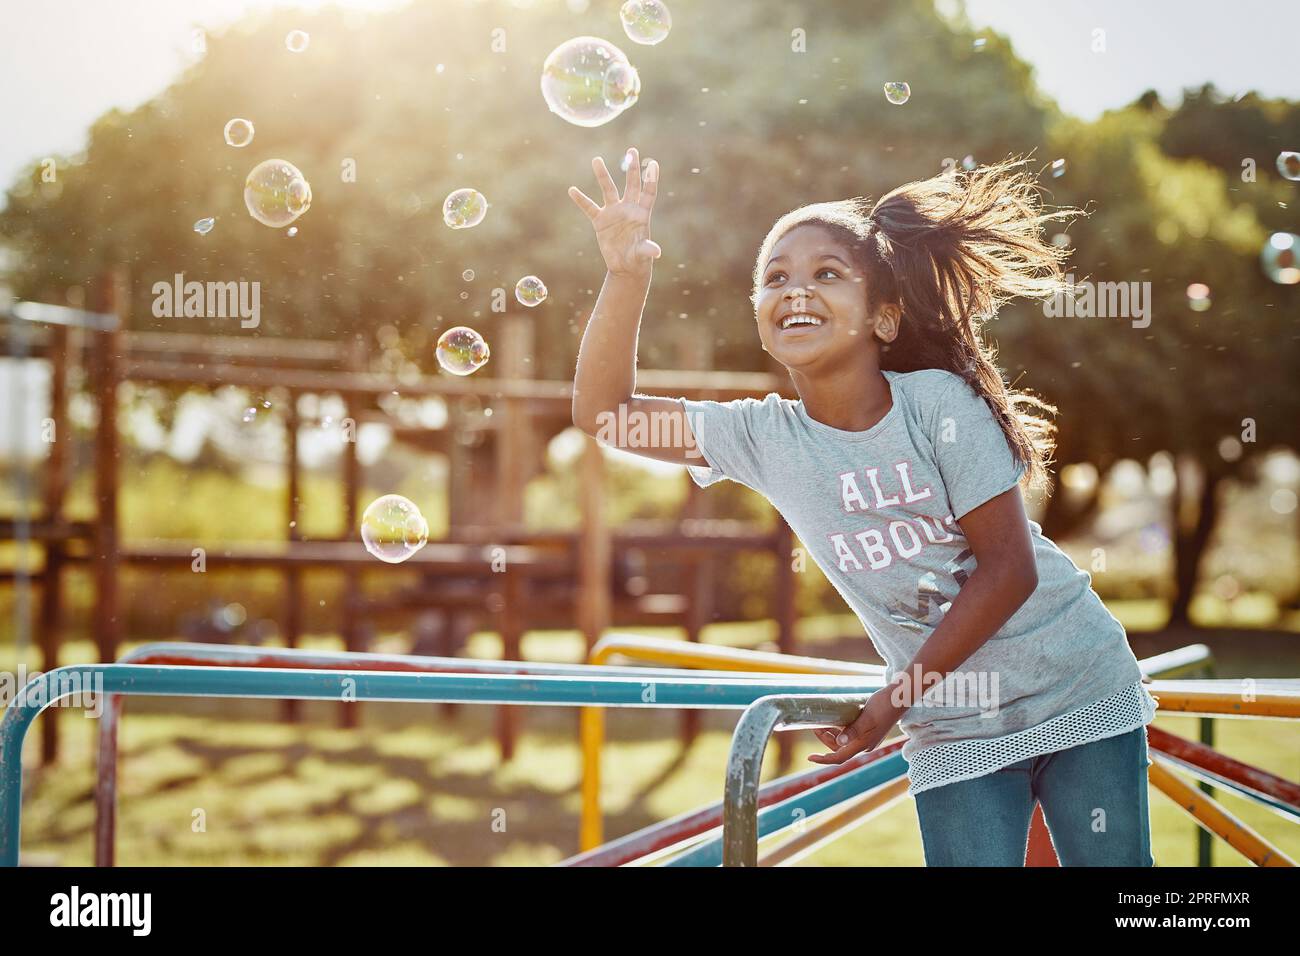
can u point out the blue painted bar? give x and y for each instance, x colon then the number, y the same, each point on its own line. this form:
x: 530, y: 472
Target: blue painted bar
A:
x: 560, y: 691
x: 819, y: 798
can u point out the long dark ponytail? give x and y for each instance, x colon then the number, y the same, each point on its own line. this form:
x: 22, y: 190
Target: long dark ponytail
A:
x: 950, y: 250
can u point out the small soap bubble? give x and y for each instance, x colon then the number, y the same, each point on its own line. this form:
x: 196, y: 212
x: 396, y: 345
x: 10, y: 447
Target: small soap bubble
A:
x: 1058, y: 168
x: 238, y: 133
x: 978, y: 44
x: 1198, y: 297
x: 1061, y: 240
x: 588, y: 81
x: 464, y: 208
x: 249, y: 414
x: 204, y: 226
x: 968, y: 163
x: 464, y: 295
x: 276, y: 193
x: 1281, y: 258
x: 1288, y: 164
x: 462, y: 351
x: 293, y: 231
x: 296, y: 41
x: 393, y: 529
x: 897, y: 93
x: 645, y: 21
x: 622, y: 86
x: 468, y: 275
x: 530, y: 291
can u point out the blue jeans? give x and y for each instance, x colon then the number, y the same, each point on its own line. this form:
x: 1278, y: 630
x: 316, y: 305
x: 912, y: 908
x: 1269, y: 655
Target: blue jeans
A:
x: 1094, y: 799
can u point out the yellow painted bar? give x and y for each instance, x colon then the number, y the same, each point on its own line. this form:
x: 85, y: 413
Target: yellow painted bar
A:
x: 1228, y: 698
x: 837, y: 824
x: 686, y: 654
x: 1211, y: 815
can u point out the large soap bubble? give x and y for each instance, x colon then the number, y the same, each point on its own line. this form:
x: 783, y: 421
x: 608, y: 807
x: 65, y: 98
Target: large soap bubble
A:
x: 276, y: 193
x: 588, y: 81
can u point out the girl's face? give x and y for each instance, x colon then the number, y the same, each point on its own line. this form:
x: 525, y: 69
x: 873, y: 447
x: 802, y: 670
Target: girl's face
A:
x: 812, y: 304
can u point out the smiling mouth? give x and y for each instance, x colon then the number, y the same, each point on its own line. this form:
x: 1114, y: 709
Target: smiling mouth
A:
x: 801, y: 321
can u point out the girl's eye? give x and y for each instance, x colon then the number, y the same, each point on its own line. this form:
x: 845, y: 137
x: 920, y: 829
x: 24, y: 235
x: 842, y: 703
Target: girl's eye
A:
x: 831, y: 271
x: 773, y: 276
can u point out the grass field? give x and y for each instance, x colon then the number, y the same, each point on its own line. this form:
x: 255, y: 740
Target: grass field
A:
x: 413, y: 786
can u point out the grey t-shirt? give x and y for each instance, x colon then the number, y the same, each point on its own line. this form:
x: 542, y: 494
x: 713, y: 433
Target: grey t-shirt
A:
x: 879, y: 512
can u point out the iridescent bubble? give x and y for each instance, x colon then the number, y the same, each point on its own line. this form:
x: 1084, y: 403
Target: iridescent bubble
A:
x: 968, y: 163
x: 1281, y: 258
x: 588, y: 81
x: 468, y: 275
x: 393, y: 529
x: 1058, y: 168
x: 897, y: 93
x: 276, y: 193
x: 530, y: 291
x: 645, y: 21
x: 204, y: 226
x: 296, y: 41
x: 464, y: 295
x: 462, y: 351
x: 293, y: 231
x: 1061, y: 240
x: 464, y: 208
x: 1288, y: 164
x: 1198, y: 297
x: 238, y: 133
x: 622, y: 86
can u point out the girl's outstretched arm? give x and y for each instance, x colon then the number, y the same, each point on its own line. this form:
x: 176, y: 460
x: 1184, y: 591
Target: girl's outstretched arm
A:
x: 603, y: 401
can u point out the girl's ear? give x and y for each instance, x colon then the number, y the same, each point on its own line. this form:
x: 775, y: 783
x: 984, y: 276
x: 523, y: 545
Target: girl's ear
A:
x: 888, y: 318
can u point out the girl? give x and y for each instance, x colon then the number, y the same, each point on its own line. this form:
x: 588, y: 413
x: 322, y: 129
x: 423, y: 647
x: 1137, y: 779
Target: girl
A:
x: 900, y: 469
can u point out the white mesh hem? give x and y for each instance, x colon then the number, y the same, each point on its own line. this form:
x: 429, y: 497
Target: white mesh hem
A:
x: 1123, y: 711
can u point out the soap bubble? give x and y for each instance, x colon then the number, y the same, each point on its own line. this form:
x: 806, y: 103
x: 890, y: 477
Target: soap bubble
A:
x: 1198, y: 297
x: 296, y: 41
x: 1058, y: 168
x: 276, y: 193
x: 622, y: 86
x: 204, y: 226
x: 968, y: 163
x: 238, y: 133
x: 897, y: 93
x: 1281, y: 258
x: 645, y: 21
x: 462, y: 351
x: 1061, y: 240
x: 1288, y: 164
x: 978, y: 44
x: 588, y: 81
x: 249, y: 414
x: 293, y: 231
x: 393, y: 528
x: 468, y: 275
x: 464, y: 208
x: 530, y: 291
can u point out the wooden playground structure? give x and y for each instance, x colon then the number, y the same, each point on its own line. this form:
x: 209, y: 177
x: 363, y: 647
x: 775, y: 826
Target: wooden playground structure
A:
x: 551, y: 579
x: 566, y: 579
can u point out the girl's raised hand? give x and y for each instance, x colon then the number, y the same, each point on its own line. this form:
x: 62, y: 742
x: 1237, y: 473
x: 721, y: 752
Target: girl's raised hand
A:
x: 623, y: 225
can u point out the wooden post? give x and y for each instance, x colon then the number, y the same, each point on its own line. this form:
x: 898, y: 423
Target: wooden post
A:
x: 512, y: 460
x: 349, y: 713
x: 51, y: 622
x: 593, y: 546
x: 292, y: 575
x: 110, y: 297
